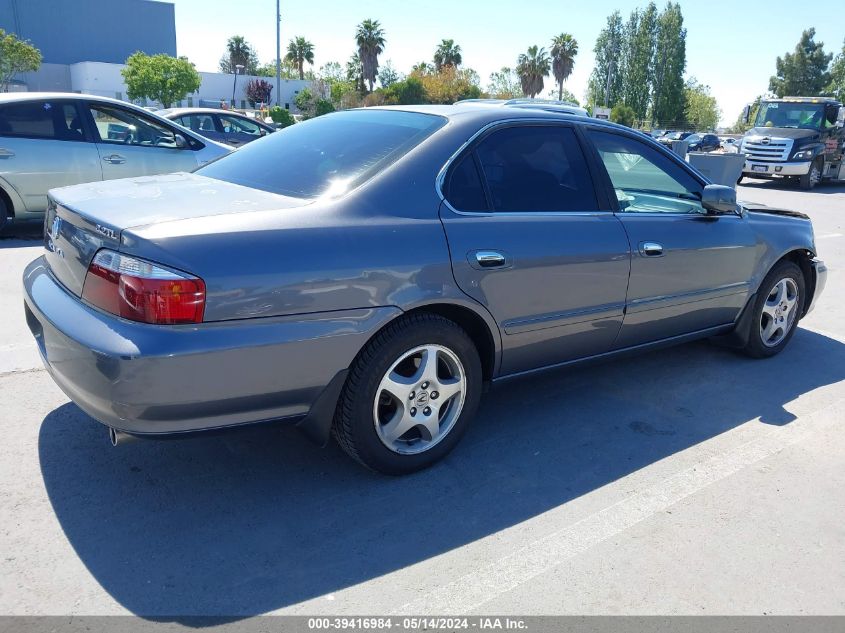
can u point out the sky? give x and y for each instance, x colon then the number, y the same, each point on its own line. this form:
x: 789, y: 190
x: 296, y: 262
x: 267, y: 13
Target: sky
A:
x: 731, y: 45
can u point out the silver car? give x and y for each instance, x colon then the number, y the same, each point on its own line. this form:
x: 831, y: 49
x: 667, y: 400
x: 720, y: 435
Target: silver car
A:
x: 364, y: 274
x: 52, y: 140
x: 223, y: 126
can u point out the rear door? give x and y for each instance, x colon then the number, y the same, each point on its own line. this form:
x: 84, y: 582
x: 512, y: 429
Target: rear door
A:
x: 530, y: 240
x: 132, y: 144
x: 690, y: 270
x: 239, y: 130
x: 204, y: 124
x: 43, y: 144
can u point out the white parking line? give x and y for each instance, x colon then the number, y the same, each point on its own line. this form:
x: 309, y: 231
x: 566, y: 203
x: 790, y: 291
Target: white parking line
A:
x: 479, y: 587
x: 828, y: 235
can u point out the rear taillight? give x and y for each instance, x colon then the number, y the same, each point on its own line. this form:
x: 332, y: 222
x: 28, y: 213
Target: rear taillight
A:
x: 141, y: 291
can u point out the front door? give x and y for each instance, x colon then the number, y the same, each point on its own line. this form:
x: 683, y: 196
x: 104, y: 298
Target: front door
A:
x: 238, y: 130
x: 529, y: 241
x: 131, y: 144
x: 690, y: 270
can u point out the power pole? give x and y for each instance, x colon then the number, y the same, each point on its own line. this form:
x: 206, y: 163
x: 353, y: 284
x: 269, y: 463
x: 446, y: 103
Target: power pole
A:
x: 278, y: 52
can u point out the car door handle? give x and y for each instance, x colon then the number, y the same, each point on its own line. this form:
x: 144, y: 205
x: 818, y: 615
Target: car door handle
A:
x: 114, y: 159
x: 6, y: 153
x: 651, y: 249
x: 490, y: 259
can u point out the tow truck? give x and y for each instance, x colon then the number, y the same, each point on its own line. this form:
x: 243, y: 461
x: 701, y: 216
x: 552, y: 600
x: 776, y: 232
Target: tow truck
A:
x: 797, y: 138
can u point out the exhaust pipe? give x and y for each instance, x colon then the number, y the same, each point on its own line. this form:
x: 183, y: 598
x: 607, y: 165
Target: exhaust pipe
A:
x: 119, y: 437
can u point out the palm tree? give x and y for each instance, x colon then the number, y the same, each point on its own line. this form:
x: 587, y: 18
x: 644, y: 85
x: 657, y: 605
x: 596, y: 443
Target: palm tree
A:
x: 564, y: 50
x: 532, y: 67
x: 447, y: 54
x: 300, y: 51
x: 238, y: 53
x: 370, y: 39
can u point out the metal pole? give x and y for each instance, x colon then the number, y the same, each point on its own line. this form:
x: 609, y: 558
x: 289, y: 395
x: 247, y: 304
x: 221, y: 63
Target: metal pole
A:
x: 278, y: 52
x: 235, y: 83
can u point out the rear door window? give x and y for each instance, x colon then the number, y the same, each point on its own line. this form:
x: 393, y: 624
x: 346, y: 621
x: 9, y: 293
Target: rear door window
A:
x: 537, y: 168
x: 464, y: 190
x: 42, y: 119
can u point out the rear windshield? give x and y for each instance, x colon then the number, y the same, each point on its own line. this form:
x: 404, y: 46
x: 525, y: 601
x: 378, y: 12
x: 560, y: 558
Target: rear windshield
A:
x: 327, y: 155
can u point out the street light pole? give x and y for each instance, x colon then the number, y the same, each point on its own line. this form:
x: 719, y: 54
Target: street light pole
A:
x: 238, y: 68
x: 278, y: 52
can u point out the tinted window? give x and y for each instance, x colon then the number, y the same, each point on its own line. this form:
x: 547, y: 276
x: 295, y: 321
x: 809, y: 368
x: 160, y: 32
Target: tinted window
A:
x: 536, y: 168
x: 326, y: 155
x: 464, y: 189
x: 116, y: 125
x: 41, y: 119
x: 644, y: 178
x: 233, y: 125
x: 199, y: 123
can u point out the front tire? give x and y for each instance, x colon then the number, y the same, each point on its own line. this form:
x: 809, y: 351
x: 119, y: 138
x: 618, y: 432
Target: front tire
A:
x: 813, y: 177
x: 410, y: 395
x: 776, y: 311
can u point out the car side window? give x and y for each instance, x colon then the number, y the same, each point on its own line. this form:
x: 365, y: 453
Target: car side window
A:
x: 42, y: 120
x: 124, y: 127
x: 644, y: 179
x: 237, y: 125
x: 199, y: 123
x: 464, y: 190
x: 536, y: 168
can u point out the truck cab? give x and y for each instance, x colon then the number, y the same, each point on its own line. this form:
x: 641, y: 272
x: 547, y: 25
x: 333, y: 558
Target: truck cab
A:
x: 796, y: 137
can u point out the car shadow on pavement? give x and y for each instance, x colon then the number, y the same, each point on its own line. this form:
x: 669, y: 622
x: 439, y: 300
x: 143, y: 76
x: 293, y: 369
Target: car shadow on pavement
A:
x: 247, y: 522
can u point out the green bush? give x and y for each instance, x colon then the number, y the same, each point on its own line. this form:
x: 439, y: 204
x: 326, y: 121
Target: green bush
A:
x: 623, y: 115
x: 323, y: 106
x: 281, y: 116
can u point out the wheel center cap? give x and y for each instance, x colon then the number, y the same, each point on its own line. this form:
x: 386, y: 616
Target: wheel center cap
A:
x: 422, y: 398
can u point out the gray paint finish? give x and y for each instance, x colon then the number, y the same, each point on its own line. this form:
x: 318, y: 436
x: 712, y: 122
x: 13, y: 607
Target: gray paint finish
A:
x: 296, y: 287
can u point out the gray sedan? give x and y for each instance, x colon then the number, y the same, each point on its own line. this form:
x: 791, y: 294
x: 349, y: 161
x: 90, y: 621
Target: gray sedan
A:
x: 365, y: 274
x: 223, y: 126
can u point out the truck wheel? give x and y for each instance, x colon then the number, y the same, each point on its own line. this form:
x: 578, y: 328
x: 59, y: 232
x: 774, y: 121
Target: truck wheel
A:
x: 812, y: 177
x: 409, y: 396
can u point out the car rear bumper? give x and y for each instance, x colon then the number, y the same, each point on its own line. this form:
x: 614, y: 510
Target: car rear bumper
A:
x: 820, y: 275
x: 148, y: 379
x: 757, y: 168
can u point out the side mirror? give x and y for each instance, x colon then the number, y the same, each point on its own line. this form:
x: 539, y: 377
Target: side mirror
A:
x: 746, y: 114
x: 718, y: 199
x: 181, y: 142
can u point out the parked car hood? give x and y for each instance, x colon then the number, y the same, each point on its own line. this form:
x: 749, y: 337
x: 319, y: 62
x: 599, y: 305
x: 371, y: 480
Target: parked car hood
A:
x: 134, y: 202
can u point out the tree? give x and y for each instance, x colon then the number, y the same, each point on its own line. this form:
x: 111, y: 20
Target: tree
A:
x: 802, y: 73
x: 564, y: 96
x: 355, y: 72
x: 300, y: 51
x: 388, y: 75
x: 423, y: 68
x: 605, y: 84
x: 623, y: 115
x: 532, y: 67
x: 564, y: 49
x: 258, y: 91
x: 836, y: 87
x: 239, y: 53
x: 16, y: 56
x: 670, y: 61
x: 505, y: 84
x: 449, y: 85
x: 312, y: 105
x: 162, y: 78
x: 447, y: 54
x: 701, y: 110
x: 409, y: 91
x: 370, y: 39
x: 637, y: 65
x: 288, y: 70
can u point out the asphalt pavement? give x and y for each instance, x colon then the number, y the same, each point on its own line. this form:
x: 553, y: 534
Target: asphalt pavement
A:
x: 685, y: 481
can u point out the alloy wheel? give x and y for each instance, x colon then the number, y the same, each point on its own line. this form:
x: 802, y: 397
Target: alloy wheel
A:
x: 779, y: 313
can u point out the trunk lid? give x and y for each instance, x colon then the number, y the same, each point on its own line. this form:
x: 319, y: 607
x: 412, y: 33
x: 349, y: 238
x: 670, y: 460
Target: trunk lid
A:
x: 82, y: 219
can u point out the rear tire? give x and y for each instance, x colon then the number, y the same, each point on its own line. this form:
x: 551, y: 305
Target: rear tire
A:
x: 776, y: 311
x: 410, y: 395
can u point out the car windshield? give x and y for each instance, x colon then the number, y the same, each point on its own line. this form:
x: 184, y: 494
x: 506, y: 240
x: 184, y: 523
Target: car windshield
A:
x: 692, y: 138
x: 674, y: 136
x: 327, y: 155
x: 790, y: 115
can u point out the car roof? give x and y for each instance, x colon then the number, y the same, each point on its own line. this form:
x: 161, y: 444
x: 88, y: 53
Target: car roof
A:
x: 166, y: 112
x: 8, y: 97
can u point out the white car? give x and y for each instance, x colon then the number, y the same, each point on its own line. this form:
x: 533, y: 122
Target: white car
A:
x: 50, y: 140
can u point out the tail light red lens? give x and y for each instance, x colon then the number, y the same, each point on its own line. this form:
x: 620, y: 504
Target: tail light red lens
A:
x: 141, y: 291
